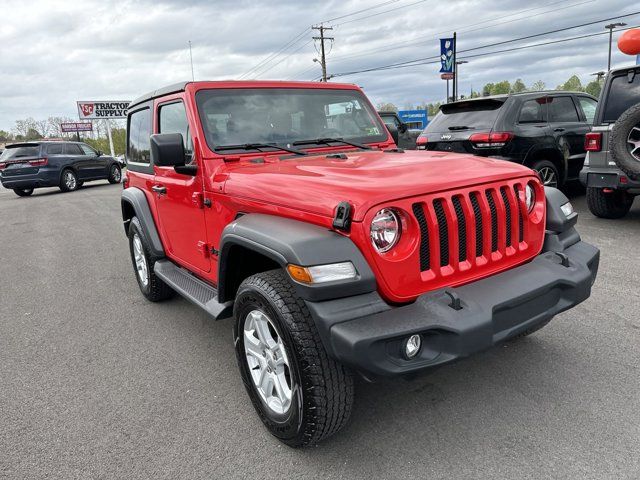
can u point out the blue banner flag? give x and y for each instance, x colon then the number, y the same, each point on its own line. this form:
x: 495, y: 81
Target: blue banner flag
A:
x: 446, y: 55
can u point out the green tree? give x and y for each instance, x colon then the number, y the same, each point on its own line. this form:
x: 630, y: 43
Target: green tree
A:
x: 486, y: 90
x: 538, y: 86
x: 102, y: 143
x: 518, y: 86
x: 573, y: 84
x: 501, y: 88
x: 32, y: 134
x: 386, y: 107
x: 593, y: 88
x: 5, y: 136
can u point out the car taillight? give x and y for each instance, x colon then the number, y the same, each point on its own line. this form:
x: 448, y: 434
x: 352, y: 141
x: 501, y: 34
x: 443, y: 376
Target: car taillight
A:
x: 3, y: 165
x: 39, y: 162
x: 490, y: 140
x: 593, y: 142
x: 421, y: 141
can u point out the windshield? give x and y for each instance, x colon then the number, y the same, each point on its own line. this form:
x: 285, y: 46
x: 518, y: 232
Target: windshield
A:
x: 473, y: 115
x: 623, y: 94
x: 13, y: 153
x: 282, y: 116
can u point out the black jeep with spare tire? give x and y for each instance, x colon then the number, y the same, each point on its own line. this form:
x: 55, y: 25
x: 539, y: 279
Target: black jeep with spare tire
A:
x: 611, y: 170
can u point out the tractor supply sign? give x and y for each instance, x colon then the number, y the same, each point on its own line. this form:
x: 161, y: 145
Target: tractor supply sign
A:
x: 102, y: 110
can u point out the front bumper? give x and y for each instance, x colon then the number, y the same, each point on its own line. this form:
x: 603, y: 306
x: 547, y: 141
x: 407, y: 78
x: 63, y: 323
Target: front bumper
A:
x: 493, y: 310
x: 607, y: 177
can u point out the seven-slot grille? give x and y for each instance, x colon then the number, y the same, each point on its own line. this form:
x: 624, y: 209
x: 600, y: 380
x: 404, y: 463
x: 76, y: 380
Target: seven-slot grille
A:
x: 487, y: 223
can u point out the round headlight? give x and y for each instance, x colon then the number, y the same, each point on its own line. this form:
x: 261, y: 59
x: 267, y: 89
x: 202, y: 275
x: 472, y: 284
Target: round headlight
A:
x: 385, y: 230
x: 529, y: 197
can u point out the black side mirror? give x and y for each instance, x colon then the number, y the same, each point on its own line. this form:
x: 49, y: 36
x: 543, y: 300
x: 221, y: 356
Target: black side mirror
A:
x: 403, y: 128
x: 167, y: 150
x: 393, y: 130
x: 99, y: 153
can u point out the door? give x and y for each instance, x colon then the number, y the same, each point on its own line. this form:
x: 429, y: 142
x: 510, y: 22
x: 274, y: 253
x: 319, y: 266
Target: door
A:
x: 96, y: 164
x: 78, y: 160
x: 179, y: 198
x: 569, y: 129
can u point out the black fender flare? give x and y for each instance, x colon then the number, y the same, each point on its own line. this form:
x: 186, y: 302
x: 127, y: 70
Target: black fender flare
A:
x: 548, y: 147
x: 286, y: 241
x: 136, y: 199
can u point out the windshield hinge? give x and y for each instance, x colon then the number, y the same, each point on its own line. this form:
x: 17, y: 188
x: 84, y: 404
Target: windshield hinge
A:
x: 342, y: 218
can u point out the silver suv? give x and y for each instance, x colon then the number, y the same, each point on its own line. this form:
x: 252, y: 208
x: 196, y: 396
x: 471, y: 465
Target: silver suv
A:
x: 611, y: 170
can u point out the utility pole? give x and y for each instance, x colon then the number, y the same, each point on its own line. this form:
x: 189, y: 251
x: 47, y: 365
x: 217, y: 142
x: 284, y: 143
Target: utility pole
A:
x: 610, y: 27
x: 459, y: 62
x: 599, y: 75
x: 191, y: 58
x: 323, y: 59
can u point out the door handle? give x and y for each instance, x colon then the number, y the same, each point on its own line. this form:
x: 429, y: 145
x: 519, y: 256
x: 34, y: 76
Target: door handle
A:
x: 559, y: 129
x: 159, y: 189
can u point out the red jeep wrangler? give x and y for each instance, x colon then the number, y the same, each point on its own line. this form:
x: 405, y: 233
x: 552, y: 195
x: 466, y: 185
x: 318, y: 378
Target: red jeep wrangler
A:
x: 288, y: 207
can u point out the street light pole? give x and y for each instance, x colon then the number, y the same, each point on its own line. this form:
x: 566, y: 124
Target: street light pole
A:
x: 610, y: 27
x: 457, y: 83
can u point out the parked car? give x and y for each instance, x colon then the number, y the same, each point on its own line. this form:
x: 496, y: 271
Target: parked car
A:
x: 67, y: 165
x: 287, y: 206
x: 542, y: 130
x: 611, y: 171
x: 406, y: 136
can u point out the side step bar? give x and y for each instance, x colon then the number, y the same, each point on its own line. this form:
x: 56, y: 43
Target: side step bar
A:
x: 193, y: 289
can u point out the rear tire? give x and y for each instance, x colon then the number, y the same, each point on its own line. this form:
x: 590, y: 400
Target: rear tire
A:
x: 317, y: 390
x: 68, y: 180
x: 115, y: 174
x: 548, y: 173
x: 23, y: 192
x: 608, y: 205
x: 151, y: 286
x: 624, y: 144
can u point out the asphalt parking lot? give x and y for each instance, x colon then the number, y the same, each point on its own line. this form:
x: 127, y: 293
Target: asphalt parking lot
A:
x: 96, y: 382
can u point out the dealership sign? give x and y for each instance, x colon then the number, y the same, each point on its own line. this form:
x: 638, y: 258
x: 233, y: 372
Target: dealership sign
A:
x: 76, y: 127
x: 102, y: 110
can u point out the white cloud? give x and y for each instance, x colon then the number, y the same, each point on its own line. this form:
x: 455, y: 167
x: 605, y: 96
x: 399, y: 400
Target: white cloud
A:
x: 54, y: 53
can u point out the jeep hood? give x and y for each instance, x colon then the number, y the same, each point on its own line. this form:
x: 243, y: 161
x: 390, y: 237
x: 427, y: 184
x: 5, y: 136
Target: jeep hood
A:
x: 317, y: 183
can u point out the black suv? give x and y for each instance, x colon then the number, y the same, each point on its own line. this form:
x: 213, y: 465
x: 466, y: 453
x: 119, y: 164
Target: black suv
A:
x: 67, y: 165
x: 611, y: 171
x: 542, y: 130
x: 406, y: 136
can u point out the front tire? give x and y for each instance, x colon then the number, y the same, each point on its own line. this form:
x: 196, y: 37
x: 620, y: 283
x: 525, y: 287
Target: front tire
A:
x: 611, y: 205
x: 23, y: 192
x: 151, y: 286
x: 115, y: 174
x: 301, y: 394
x: 69, y: 181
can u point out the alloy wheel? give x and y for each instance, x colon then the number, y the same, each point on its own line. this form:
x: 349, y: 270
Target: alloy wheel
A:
x: 633, y: 142
x: 141, y: 260
x: 268, y: 362
x: 70, y: 180
x: 548, y: 176
x: 115, y: 174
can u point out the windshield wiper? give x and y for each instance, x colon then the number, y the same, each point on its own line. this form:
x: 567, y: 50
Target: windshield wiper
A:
x: 460, y: 127
x: 329, y: 141
x: 256, y: 146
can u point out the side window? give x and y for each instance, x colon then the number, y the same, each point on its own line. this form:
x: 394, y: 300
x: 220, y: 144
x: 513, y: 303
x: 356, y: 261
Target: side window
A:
x: 562, y: 109
x: 139, y: 133
x: 72, y: 149
x: 173, y: 119
x: 533, y: 111
x: 588, y: 107
x: 55, y: 148
x: 87, y: 150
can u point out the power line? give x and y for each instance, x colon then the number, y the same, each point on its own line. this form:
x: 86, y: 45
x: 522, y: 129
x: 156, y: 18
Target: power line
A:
x: 527, y: 37
x: 284, y: 58
x: 513, y: 49
x: 273, y: 55
x: 380, y: 13
x: 360, y: 11
x: 463, y: 29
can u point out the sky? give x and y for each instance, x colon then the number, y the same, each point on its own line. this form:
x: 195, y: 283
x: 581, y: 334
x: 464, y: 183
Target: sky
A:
x: 55, y: 53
